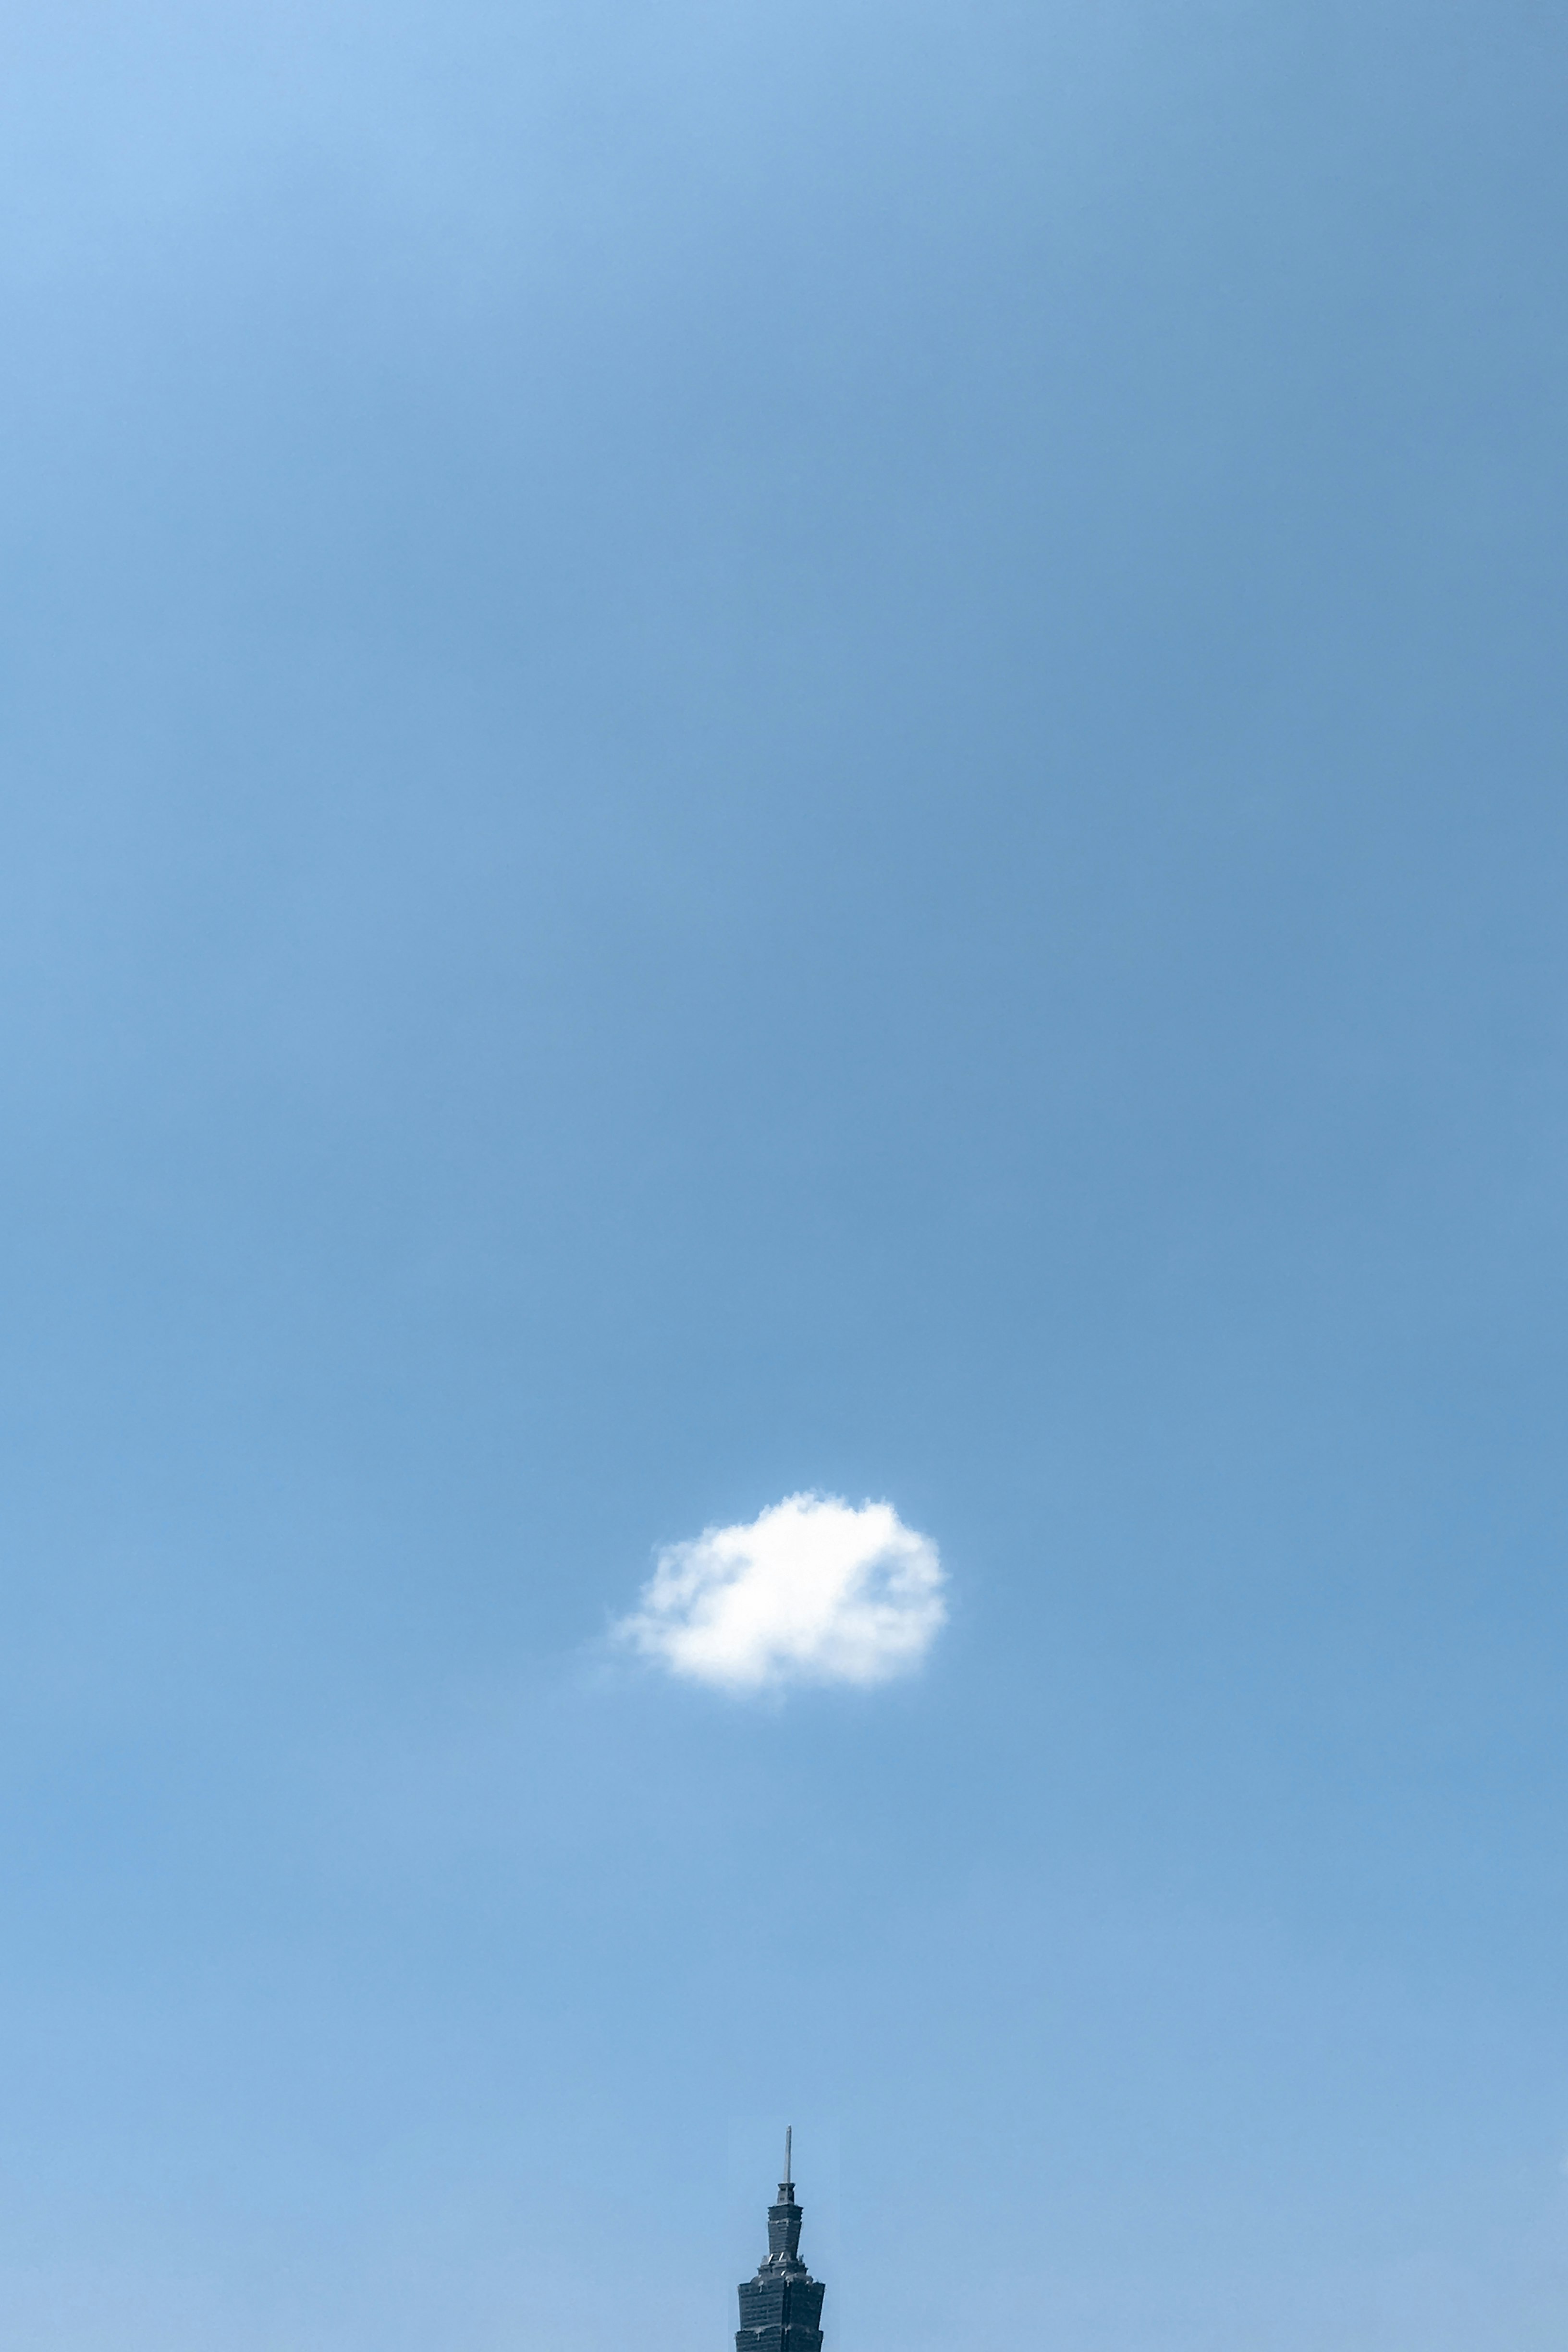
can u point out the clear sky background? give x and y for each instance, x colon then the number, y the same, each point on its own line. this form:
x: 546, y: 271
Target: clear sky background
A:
x: 752, y: 749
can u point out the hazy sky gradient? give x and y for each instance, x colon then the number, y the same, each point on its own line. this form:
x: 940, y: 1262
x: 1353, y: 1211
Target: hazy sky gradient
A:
x: 752, y: 749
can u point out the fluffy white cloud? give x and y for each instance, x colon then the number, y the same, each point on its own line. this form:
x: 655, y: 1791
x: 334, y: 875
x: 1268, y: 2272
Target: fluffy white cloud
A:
x: 811, y: 1590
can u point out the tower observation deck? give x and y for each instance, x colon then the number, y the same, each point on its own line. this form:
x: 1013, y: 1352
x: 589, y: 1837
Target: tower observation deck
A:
x: 781, y: 2309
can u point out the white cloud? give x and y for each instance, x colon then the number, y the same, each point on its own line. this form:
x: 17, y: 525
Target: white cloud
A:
x: 811, y: 1590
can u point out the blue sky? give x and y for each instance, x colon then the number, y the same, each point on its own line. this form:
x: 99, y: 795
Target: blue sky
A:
x: 754, y: 751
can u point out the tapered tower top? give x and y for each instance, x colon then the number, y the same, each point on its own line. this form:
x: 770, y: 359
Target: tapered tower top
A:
x: 781, y: 2309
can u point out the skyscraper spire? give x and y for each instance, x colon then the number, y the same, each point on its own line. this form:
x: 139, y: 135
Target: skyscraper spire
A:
x: 781, y: 2309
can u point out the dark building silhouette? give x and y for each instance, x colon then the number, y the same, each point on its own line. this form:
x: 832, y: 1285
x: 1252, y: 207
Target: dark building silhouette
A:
x: 781, y: 2309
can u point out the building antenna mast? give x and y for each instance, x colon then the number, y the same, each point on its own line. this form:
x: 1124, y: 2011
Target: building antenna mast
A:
x: 789, y: 2135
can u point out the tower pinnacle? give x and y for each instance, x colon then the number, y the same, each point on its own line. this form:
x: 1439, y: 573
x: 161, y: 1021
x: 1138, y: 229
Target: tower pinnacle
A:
x: 781, y: 2309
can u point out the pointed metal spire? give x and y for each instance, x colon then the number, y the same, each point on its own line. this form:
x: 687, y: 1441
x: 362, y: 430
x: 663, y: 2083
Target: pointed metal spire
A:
x: 789, y: 2180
